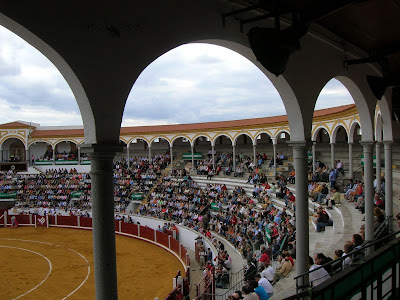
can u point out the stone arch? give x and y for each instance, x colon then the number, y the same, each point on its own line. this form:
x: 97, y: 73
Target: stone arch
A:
x: 63, y: 67
x: 282, y: 86
x: 292, y: 107
x: 16, y: 148
x: 13, y: 137
x: 362, y: 106
x: 179, y: 136
x: 282, y: 131
x: 386, y: 117
x: 65, y: 140
x: 201, y: 135
x: 39, y: 141
x: 259, y: 134
x: 335, y: 131
x: 318, y: 129
x: 353, y: 127
x: 219, y: 135
x: 139, y: 138
x: 378, y: 126
x: 160, y: 137
x: 240, y: 134
x: 121, y: 139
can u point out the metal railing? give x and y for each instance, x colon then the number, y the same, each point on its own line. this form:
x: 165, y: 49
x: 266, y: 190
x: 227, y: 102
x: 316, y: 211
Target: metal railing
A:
x: 373, y: 270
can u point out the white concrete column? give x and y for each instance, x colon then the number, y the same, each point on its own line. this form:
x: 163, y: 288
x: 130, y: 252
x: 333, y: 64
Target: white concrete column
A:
x: 350, y: 160
x: 104, y: 253
x: 302, y: 217
x: 127, y: 154
x: 213, y: 157
x: 369, y: 190
x: 314, y: 143
x: 234, y: 157
x: 378, y: 165
x: 388, y: 181
x: 54, y: 155
x: 274, y: 150
x: 254, y: 154
x: 171, y: 155
x: 149, y: 153
x: 192, y: 150
x: 333, y: 156
x: 79, y: 155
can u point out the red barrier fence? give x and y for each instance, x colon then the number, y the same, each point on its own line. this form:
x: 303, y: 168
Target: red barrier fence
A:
x: 86, y: 222
x: 127, y: 228
x: 162, y: 239
x: 148, y: 233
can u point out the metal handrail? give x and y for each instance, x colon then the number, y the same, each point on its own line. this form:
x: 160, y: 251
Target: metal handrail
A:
x: 354, y: 253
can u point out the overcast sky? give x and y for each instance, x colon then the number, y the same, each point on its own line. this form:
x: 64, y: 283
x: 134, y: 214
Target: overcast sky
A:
x: 192, y: 83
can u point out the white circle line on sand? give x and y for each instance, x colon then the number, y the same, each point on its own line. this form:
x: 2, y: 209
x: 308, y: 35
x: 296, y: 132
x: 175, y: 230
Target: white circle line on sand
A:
x: 46, y: 243
x: 47, y: 276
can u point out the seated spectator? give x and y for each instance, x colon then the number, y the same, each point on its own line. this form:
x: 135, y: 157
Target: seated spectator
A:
x: 292, y: 176
x: 283, y: 269
x: 317, y: 274
x: 249, y: 293
x: 322, y: 221
x: 348, y: 247
x: 265, y: 284
x: 268, y: 272
x: 259, y: 290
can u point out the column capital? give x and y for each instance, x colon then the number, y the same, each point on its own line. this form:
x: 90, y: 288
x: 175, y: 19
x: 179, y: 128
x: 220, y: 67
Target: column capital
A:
x: 367, y: 143
x: 298, y: 144
x: 350, y: 143
x: 102, y: 150
x: 378, y: 143
x: 333, y: 143
x: 314, y: 143
x: 388, y: 143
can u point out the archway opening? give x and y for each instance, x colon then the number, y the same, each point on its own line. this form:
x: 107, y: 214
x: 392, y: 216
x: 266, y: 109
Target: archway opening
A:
x: 13, y: 150
x: 200, y: 82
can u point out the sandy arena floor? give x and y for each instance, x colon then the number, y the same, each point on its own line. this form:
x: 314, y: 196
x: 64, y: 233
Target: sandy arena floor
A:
x: 57, y: 263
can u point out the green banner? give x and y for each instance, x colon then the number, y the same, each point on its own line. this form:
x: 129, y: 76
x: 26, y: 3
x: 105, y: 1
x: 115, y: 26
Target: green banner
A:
x: 362, y: 160
x: 268, y: 234
x: 8, y: 195
x: 76, y: 194
x: 188, y: 156
x: 137, y: 196
x: 214, y: 206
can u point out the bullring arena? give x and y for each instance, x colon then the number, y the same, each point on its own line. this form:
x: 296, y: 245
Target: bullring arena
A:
x: 57, y: 263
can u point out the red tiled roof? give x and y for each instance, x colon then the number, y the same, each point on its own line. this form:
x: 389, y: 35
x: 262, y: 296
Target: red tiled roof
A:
x: 15, y: 124
x: 58, y: 132
x: 229, y: 124
x: 192, y: 126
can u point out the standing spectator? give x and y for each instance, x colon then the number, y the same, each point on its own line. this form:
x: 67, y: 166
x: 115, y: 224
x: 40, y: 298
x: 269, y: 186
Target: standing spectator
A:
x: 332, y: 178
